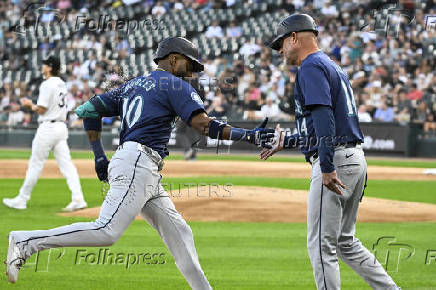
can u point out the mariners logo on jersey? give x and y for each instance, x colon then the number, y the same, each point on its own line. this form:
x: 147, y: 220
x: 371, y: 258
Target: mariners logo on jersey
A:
x: 196, y: 97
x: 334, y: 90
x: 298, y: 110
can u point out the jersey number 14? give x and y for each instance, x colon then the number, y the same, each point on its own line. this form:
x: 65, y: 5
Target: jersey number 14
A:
x: 302, y: 127
x: 351, y: 102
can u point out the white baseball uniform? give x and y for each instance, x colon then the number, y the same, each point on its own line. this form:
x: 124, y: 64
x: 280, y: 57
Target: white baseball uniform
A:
x: 52, y: 134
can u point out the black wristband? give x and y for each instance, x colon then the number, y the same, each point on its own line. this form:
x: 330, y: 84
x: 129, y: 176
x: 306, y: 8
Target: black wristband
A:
x: 92, y: 124
x: 216, y: 129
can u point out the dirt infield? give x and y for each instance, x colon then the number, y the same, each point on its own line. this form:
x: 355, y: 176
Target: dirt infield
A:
x: 175, y: 168
x: 253, y: 204
x: 260, y: 204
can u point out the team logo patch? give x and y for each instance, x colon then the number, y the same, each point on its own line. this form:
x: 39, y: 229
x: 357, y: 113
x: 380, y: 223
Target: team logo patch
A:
x: 298, y: 109
x: 196, y: 98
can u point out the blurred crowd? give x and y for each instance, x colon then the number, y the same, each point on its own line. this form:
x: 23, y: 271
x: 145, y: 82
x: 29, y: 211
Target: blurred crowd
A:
x: 391, y: 65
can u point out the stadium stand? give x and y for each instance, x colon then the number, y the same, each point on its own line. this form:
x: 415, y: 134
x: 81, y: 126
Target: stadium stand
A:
x: 388, y: 51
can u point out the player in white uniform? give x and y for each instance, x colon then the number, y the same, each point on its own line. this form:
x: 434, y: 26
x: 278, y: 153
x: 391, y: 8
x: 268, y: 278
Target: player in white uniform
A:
x: 52, y: 134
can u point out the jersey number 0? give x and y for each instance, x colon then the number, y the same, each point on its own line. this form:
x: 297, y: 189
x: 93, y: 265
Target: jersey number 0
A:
x: 131, y: 111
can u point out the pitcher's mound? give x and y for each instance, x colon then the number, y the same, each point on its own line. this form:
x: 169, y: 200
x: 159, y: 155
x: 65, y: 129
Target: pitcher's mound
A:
x: 262, y: 204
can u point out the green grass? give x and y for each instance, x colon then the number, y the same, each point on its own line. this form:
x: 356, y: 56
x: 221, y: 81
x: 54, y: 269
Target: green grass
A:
x: 25, y: 154
x: 233, y: 255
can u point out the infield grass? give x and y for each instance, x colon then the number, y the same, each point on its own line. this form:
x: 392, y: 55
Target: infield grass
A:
x: 233, y: 255
x: 408, y: 163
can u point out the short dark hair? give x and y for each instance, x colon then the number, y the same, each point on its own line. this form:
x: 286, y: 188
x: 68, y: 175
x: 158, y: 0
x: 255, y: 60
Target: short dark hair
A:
x: 55, y: 72
x: 55, y: 64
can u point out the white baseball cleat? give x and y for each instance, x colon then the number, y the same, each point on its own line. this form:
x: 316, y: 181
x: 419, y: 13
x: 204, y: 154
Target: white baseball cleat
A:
x: 75, y: 205
x: 14, y: 261
x: 17, y: 202
x: 188, y: 154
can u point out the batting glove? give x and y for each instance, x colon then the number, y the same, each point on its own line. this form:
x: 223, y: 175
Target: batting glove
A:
x: 259, y: 136
x: 101, y: 166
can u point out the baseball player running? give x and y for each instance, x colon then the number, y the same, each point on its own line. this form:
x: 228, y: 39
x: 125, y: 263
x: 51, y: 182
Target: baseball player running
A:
x: 148, y: 106
x: 52, y: 134
x: 329, y: 136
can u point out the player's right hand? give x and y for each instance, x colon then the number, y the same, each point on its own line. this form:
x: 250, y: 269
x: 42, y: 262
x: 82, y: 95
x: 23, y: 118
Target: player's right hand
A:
x: 332, y: 182
x: 276, y: 145
x: 261, y: 135
x: 101, y: 166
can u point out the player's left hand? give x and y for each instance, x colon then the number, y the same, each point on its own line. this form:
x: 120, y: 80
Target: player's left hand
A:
x: 101, y: 166
x: 261, y: 136
x: 332, y: 182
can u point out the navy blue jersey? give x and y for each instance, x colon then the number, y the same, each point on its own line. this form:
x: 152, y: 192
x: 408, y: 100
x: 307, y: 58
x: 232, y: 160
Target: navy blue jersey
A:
x: 320, y: 81
x: 148, y: 107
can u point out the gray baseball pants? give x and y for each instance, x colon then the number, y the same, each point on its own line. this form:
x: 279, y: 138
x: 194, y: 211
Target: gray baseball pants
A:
x: 134, y: 188
x: 331, y: 221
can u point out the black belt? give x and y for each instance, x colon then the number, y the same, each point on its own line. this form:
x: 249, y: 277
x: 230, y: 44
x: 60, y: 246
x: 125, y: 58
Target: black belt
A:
x: 314, y: 154
x: 351, y: 144
x: 50, y: 121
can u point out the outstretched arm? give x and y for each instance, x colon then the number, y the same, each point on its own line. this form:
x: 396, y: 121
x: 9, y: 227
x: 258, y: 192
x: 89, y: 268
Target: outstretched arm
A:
x: 281, y: 141
x: 215, y: 129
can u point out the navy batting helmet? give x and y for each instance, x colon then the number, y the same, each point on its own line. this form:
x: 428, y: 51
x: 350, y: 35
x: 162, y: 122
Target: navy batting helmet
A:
x: 292, y: 23
x: 182, y: 46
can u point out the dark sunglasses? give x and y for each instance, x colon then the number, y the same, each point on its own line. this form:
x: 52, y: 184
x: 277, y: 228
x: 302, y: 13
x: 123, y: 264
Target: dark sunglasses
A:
x: 285, y: 36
